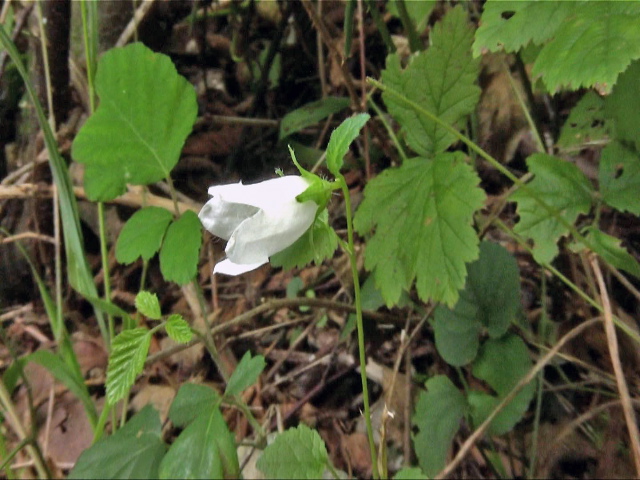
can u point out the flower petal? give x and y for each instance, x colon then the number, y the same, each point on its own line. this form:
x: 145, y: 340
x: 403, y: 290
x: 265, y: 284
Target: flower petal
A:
x: 270, y: 231
x: 221, y: 218
x: 267, y: 195
x: 227, y: 267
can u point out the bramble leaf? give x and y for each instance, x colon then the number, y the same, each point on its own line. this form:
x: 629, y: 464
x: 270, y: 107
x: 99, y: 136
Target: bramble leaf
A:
x: 623, y: 105
x: 148, y: 305
x: 490, y: 299
x: 190, y: 400
x: 341, y: 139
x: 296, y: 453
x: 317, y: 244
x: 587, y: 124
x: 422, y: 214
x: 128, y: 353
x: 610, y: 250
x: 181, y: 249
x: 245, y: 374
x: 437, y: 416
x: 139, y: 128
x: 502, y: 362
x: 442, y: 80
x: 563, y: 187
x: 142, y: 235
x: 178, y: 329
x: 619, y: 178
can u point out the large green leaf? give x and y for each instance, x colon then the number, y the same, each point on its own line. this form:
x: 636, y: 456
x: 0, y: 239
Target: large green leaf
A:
x: 437, y: 416
x: 134, y: 451
x: 593, y: 46
x: 501, y: 363
x: 490, y: 299
x: 142, y: 235
x: 296, y: 453
x: 442, y: 80
x: 511, y: 25
x: 146, y: 112
x: 205, y: 449
x: 181, y: 249
x: 563, y: 187
x: 128, y: 353
x: 619, y: 178
x: 422, y: 214
x: 190, y: 401
x: 623, y: 105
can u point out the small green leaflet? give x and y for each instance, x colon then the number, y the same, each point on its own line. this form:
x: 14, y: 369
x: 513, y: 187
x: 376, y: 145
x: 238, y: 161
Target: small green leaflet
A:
x: 128, y: 353
x: 437, y: 416
x: 317, y: 244
x: 296, y: 453
x: 142, y: 235
x: 341, y: 139
x: 623, y: 105
x: 502, y: 375
x: 490, y: 299
x: 619, y: 178
x: 442, y: 80
x: 245, y: 374
x: 136, y: 134
x: 148, y: 305
x: 178, y: 329
x: 422, y: 214
x: 311, y: 113
x: 563, y: 187
x: 181, y: 249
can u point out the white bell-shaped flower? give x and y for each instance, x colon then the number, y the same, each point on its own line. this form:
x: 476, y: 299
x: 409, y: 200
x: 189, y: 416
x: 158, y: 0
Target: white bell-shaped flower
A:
x: 257, y: 220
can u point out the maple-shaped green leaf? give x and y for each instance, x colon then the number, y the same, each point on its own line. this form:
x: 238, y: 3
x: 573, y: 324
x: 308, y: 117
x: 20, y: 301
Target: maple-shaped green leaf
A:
x: 437, y: 416
x: 511, y: 25
x: 587, y: 124
x: 619, y: 178
x: 562, y: 187
x: 178, y: 329
x: 142, y: 235
x: 136, y: 134
x: 623, y: 105
x: 442, y: 80
x: 594, y: 45
x: 128, y: 352
x: 317, y: 244
x: 181, y: 249
x: 422, y: 213
x: 296, y: 453
x: 502, y: 363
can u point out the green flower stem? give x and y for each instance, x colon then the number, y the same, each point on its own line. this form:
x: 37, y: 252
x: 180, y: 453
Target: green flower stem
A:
x: 359, y: 325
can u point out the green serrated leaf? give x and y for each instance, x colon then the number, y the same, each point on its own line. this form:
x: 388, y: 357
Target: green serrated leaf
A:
x: 134, y: 451
x: 181, y: 249
x: 511, y: 25
x: 245, y: 374
x: 317, y: 244
x: 442, y: 80
x: 142, y: 235
x: 562, y: 186
x: 128, y: 352
x: 341, y: 139
x: 205, y: 449
x: 190, y: 400
x: 623, y: 105
x: 490, y: 299
x: 594, y: 45
x: 311, y: 113
x: 619, y: 178
x: 296, y: 453
x: 437, y: 416
x: 586, y: 125
x: 140, y: 126
x: 422, y: 214
x: 501, y: 363
x: 178, y: 329
x: 612, y: 252
x: 148, y: 305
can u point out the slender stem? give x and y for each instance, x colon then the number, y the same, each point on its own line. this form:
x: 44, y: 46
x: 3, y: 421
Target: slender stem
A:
x: 105, y: 269
x: 359, y: 324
